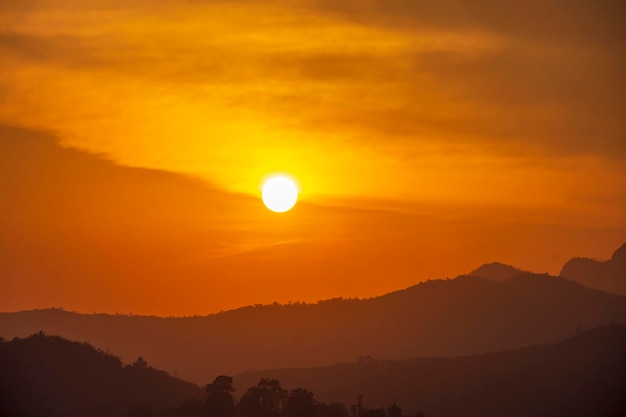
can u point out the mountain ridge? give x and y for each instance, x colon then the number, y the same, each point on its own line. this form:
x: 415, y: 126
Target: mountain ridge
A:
x: 464, y: 315
x: 609, y: 275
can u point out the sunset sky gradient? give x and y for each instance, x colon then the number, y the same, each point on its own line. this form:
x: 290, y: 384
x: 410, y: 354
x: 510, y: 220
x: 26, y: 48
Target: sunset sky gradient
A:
x: 427, y: 138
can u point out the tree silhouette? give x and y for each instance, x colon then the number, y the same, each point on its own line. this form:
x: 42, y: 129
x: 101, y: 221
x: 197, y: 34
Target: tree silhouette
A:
x: 300, y: 403
x: 267, y: 399
x: 332, y: 410
x: 394, y: 411
x: 378, y: 412
x: 219, y: 401
x: 140, y: 363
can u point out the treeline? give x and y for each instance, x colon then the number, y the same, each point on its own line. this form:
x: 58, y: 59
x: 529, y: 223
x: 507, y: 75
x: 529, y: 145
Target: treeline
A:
x: 267, y: 399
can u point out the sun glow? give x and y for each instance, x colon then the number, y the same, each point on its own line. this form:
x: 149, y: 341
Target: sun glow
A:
x: 279, y: 194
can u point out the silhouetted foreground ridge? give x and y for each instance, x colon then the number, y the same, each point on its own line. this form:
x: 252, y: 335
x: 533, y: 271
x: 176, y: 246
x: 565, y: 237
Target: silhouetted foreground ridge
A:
x: 49, y: 376
x: 581, y: 376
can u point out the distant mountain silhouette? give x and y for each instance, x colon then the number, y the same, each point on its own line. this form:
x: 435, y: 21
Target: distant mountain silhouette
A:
x: 51, y: 376
x: 497, y: 271
x: 607, y: 275
x: 461, y: 316
x: 582, y: 376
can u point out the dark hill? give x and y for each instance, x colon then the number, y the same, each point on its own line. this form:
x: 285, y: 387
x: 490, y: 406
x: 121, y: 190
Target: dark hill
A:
x: 462, y: 316
x: 582, y: 376
x: 52, y: 376
x: 497, y: 271
x: 607, y: 275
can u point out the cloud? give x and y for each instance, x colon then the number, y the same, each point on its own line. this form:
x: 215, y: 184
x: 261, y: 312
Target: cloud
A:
x: 61, y: 198
x: 448, y: 101
x: 545, y: 21
x: 517, y: 77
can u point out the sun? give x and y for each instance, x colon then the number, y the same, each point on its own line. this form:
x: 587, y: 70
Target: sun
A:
x: 279, y: 194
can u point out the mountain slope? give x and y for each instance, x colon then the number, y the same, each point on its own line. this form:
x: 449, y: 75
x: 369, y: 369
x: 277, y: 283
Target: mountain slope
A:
x: 581, y: 376
x: 607, y: 275
x: 52, y: 376
x: 466, y: 315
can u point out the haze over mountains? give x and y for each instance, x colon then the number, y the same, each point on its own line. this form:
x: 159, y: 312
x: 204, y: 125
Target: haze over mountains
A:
x: 462, y: 316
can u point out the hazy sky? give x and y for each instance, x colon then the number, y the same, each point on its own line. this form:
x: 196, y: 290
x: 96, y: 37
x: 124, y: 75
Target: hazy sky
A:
x: 427, y: 138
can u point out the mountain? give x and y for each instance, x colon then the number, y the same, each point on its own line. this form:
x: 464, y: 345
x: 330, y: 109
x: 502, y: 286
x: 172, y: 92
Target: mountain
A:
x: 607, y: 275
x: 462, y: 316
x: 582, y: 376
x: 51, y: 376
x: 497, y: 271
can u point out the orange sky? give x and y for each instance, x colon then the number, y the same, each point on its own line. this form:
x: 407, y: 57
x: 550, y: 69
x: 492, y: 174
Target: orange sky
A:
x: 427, y: 138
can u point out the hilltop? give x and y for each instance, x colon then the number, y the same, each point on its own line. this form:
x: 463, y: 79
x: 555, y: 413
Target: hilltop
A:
x: 609, y: 275
x: 497, y: 271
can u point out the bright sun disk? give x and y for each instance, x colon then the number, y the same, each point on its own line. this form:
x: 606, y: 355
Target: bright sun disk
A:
x: 279, y: 194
